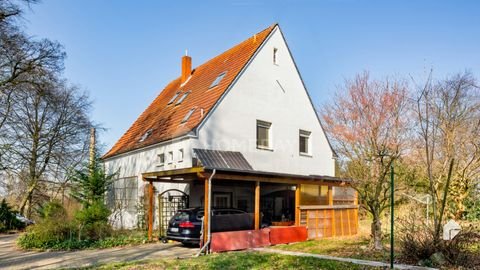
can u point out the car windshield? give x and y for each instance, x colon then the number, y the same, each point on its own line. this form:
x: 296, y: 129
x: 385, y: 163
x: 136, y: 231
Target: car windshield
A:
x: 181, y: 216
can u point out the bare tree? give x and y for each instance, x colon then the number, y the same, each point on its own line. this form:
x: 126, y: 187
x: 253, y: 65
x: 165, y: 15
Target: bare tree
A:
x: 367, y: 123
x: 448, y: 125
x: 48, y: 130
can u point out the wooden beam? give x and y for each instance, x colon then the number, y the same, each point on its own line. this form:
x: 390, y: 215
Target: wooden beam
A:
x: 330, y: 195
x: 257, y: 205
x: 206, y: 214
x: 297, y: 205
x: 150, y: 210
x: 270, y: 179
x: 171, y: 173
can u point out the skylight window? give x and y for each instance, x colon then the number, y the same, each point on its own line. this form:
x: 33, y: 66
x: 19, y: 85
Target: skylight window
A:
x: 218, y: 79
x: 145, y: 135
x: 182, y: 98
x: 173, y: 98
x: 187, y: 116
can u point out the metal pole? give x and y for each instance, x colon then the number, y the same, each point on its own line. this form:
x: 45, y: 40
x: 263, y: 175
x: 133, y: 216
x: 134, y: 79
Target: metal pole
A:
x: 392, y: 205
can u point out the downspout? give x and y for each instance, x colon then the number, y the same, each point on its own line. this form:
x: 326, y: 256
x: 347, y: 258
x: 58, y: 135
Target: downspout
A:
x: 209, y: 229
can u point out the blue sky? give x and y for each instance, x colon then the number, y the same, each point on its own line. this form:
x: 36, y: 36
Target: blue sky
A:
x: 124, y: 52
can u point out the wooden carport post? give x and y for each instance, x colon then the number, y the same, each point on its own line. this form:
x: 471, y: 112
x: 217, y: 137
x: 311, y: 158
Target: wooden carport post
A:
x: 150, y: 210
x: 257, y: 205
x: 330, y: 203
x: 206, y: 214
x: 297, y: 204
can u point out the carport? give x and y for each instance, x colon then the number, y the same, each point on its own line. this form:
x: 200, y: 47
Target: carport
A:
x: 324, y: 206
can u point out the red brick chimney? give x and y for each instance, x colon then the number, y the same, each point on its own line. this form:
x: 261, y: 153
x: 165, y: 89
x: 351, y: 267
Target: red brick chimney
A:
x: 186, y: 67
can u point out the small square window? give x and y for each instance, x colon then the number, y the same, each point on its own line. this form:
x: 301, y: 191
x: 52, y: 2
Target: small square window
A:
x: 170, y: 157
x: 263, y: 134
x: 218, y: 79
x: 180, y: 155
x: 304, y: 142
x: 161, y: 159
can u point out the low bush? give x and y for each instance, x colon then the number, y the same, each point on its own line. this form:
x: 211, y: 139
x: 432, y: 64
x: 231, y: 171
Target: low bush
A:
x: 418, y: 245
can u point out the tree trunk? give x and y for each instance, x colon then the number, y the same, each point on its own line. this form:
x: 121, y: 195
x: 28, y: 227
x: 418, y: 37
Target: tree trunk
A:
x: 377, y: 232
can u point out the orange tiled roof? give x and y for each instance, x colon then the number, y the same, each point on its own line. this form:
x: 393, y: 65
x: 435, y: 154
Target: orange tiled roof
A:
x: 164, y: 122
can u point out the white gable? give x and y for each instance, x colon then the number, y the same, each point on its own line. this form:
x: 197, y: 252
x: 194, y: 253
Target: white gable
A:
x: 273, y: 93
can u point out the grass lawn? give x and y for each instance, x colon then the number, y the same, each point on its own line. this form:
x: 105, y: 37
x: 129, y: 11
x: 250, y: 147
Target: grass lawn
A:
x: 236, y: 260
x: 356, y: 247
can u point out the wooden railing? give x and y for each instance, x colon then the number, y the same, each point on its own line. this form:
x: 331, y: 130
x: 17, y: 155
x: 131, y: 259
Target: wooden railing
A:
x: 329, y: 220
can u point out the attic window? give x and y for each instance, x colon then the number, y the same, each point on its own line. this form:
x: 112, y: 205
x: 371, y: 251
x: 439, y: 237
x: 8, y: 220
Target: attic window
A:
x: 182, y: 98
x: 145, y: 135
x: 173, y: 98
x: 275, y: 58
x: 218, y: 79
x: 187, y: 116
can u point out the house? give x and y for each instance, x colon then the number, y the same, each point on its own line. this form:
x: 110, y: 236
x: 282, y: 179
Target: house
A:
x: 243, y: 120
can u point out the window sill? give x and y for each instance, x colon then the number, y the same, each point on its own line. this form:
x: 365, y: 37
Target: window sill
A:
x: 161, y: 165
x: 306, y: 155
x: 265, y: 148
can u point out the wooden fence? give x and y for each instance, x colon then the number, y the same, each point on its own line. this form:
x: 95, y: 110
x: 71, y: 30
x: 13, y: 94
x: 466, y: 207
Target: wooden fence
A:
x: 329, y: 220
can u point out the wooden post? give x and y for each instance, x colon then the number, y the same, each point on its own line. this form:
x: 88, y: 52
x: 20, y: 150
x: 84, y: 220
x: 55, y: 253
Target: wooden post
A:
x: 257, y: 206
x: 206, y: 214
x: 330, y: 202
x: 150, y: 210
x: 355, y: 211
x: 297, y: 205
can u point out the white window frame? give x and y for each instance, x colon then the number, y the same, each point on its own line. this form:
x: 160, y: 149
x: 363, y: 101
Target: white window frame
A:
x: 308, y: 135
x: 275, y: 56
x: 181, y: 155
x: 218, y: 79
x: 268, y: 126
x: 174, y: 97
x: 188, y: 115
x: 170, y: 157
x: 161, y: 159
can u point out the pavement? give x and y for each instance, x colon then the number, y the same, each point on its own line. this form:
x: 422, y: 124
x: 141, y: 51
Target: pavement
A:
x: 13, y: 258
x: 349, y: 260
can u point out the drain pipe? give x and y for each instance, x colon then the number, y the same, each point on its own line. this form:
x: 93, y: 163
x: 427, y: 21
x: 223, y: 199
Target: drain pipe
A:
x: 209, y: 229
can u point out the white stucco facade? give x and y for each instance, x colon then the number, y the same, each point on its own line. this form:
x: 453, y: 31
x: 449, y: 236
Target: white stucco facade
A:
x: 266, y: 91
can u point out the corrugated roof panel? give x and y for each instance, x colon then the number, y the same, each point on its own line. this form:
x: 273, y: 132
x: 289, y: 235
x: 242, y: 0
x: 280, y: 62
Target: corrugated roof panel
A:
x: 217, y: 159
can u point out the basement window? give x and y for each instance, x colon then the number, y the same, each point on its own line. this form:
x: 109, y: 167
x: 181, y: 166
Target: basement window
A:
x: 182, y: 98
x: 187, y: 116
x: 145, y: 135
x: 173, y: 98
x: 218, y: 79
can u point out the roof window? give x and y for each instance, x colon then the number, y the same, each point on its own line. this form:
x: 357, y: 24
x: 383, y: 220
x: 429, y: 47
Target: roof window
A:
x: 173, y: 98
x: 187, y: 116
x: 182, y: 98
x: 218, y: 79
x: 145, y: 135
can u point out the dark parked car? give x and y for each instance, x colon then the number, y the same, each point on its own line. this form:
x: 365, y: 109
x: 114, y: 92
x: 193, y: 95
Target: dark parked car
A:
x: 185, y: 226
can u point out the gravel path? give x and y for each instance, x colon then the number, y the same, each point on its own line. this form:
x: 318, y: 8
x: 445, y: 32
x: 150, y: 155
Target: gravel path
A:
x: 12, y: 258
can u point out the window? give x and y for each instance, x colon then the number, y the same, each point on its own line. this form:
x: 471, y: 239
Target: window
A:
x: 173, y: 98
x: 222, y: 199
x: 123, y: 194
x: 263, y: 134
x: 161, y: 159
x: 304, y: 142
x: 218, y: 79
x: 187, y: 116
x: 170, y: 157
x: 180, y: 155
x: 275, y: 56
x: 145, y: 135
x: 182, y: 98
